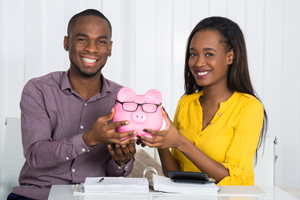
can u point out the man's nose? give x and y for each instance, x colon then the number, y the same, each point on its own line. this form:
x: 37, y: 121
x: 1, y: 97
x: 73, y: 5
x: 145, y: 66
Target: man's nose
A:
x: 91, y: 47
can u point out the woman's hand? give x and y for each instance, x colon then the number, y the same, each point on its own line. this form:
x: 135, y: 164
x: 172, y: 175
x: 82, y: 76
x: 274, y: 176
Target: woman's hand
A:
x: 167, y: 138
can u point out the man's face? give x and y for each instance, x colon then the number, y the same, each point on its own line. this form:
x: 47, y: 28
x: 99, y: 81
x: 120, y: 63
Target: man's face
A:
x: 89, y: 44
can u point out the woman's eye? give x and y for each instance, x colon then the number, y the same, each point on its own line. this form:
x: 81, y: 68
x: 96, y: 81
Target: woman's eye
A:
x: 193, y: 54
x: 209, y: 54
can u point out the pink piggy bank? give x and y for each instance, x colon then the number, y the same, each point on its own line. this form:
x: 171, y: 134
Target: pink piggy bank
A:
x: 143, y: 111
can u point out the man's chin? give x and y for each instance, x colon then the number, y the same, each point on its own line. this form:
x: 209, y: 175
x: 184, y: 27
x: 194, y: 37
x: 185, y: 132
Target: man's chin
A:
x: 87, y: 74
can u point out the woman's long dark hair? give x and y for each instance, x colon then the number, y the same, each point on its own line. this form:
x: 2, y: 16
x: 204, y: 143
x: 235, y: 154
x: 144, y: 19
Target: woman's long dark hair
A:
x: 238, y: 76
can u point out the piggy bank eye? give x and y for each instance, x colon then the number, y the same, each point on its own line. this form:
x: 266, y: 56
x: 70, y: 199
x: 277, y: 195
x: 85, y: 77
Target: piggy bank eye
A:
x: 131, y: 106
x: 127, y: 106
x: 149, y: 107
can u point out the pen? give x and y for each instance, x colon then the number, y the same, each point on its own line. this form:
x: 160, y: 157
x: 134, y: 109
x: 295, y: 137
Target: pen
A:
x: 101, y: 179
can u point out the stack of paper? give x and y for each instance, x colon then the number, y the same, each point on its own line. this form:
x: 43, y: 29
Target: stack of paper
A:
x: 115, y: 185
x: 164, y: 184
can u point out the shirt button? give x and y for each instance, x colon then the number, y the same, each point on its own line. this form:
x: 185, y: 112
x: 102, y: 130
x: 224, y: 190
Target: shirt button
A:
x: 85, y: 104
x: 83, y: 150
x: 88, y: 150
x: 72, y: 91
x: 73, y: 170
x: 119, y: 167
x: 67, y: 158
x: 81, y: 127
x: 210, y: 123
x: 219, y: 114
x: 126, y: 167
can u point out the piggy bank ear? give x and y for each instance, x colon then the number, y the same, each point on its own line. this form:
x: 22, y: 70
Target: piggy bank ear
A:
x: 124, y: 93
x: 155, y: 95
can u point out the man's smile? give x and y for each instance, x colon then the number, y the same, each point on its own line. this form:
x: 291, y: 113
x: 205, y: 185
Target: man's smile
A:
x: 88, y: 60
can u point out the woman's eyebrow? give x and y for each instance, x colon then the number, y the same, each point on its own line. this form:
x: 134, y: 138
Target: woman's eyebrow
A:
x: 207, y: 48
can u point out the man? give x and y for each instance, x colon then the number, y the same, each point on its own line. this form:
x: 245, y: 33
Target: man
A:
x: 65, y: 116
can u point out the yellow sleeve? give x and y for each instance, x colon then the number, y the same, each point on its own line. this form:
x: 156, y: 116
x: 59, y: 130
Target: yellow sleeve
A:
x: 240, y: 154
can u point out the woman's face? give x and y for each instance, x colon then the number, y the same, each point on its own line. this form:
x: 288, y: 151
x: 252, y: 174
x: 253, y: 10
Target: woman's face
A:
x: 209, y: 61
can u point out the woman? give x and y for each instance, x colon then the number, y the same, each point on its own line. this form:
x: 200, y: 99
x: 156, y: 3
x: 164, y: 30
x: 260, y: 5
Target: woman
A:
x: 219, y: 122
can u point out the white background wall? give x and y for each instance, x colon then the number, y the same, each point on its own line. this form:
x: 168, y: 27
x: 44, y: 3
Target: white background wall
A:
x: 148, y: 52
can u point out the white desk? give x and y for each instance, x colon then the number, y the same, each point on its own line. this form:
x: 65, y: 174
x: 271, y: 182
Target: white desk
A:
x: 65, y: 192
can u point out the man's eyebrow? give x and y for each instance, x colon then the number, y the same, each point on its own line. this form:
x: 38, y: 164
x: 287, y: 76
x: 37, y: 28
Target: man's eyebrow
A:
x: 85, y: 35
x: 81, y: 34
x: 103, y: 37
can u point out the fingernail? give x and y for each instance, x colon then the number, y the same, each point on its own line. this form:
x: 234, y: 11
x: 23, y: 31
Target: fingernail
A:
x: 136, y: 138
x: 124, y: 146
x: 134, y: 132
x: 126, y: 122
x: 117, y: 146
x: 139, y: 137
x: 109, y: 146
x: 145, y: 130
x: 163, y: 108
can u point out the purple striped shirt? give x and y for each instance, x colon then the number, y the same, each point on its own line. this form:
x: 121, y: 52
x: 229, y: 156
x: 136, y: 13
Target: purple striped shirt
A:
x: 53, y: 120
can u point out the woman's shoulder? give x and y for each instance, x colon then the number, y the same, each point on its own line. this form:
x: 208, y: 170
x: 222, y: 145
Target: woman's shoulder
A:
x: 188, y: 98
x: 249, y: 100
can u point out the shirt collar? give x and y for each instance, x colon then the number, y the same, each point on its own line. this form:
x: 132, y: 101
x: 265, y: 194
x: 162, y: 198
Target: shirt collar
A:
x: 230, y: 99
x: 107, y: 86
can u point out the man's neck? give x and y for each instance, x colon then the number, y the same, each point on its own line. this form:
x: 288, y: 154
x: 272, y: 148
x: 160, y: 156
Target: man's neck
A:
x: 86, y: 87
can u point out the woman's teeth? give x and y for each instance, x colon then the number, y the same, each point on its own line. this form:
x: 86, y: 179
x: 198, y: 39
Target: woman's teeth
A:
x: 202, y: 73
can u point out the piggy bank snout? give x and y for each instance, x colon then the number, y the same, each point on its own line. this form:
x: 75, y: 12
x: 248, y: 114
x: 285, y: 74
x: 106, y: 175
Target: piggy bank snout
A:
x: 139, y: 117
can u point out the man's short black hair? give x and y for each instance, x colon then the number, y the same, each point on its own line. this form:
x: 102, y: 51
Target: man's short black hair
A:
x: 88, y: 12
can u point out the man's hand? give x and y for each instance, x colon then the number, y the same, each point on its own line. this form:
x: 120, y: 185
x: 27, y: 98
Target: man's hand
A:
x: 121, y: 154
x: 102, y: 132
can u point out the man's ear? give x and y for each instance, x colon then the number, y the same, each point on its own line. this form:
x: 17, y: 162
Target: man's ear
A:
x: 110, y: 48
x: 230, y: 57
x: 66, y: 43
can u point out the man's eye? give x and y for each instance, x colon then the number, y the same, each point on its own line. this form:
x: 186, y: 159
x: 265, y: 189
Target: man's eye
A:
x: 101, y: 41
x: 209, y: 54
x: 82, y: 40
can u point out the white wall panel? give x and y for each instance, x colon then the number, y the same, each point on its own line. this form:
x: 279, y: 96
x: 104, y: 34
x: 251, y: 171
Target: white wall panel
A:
x: 113, y: 64
x: 199, y: 11
x: 236, y: 11
x: 145, y: 69
x: 218, y: 8
x: 181, y: 31
x: 33, y: 43
x: 163, y: 50
x: 290, y: 93
x: 272, y: 92
x: 149, y: 50
x: 255, y: 20
x: 3, y: 88
x: 56, y: 18
x: 14, y: 54
x: 127, y: 44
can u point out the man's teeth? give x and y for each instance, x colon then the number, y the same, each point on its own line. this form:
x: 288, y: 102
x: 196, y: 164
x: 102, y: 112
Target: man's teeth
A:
x: 202, y: 73
x: 89, y: 60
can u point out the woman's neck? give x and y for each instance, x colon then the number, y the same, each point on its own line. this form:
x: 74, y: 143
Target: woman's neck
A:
x: 215, y: 95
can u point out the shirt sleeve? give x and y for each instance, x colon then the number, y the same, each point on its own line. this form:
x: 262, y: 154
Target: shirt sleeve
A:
x: 113, y: 169
x: 40, y: 150
x: 240, y: 155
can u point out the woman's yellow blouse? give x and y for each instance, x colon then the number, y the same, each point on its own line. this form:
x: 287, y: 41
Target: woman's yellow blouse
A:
x: 231, y: 138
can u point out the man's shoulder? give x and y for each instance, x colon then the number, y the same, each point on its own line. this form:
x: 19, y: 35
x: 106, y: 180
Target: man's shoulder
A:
x: 111, y: 85
x: 48, y: 80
